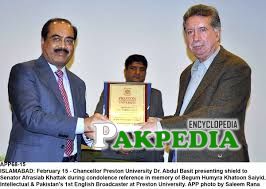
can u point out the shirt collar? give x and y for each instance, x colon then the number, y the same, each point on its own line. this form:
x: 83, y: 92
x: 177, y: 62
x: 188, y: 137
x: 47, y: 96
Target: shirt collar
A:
x: 206, y: 63
x: 54, y: 69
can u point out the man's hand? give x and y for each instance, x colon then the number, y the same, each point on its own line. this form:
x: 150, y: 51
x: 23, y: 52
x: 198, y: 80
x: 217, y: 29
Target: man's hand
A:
x: 89, y: 129
x: 151, y: 124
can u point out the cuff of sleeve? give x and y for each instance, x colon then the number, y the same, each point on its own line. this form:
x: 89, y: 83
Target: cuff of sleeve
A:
x: 88, y: 141
x: 80, y: 126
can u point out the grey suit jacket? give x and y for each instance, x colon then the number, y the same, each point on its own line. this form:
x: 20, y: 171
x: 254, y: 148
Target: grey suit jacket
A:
x: 156, y: 110
x: 41, y: 126
x: 223, y: 93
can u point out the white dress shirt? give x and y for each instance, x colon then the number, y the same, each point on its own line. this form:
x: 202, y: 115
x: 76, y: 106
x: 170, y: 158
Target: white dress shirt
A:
x: 80, y: 122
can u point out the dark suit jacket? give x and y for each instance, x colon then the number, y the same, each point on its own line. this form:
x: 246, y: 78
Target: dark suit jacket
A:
x: 41, y: 126
x: 223, y: 93
x: 156, y: 110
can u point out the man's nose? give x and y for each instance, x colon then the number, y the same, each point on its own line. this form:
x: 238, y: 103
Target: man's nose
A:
x: 63, y: 43
x: 196, y: 36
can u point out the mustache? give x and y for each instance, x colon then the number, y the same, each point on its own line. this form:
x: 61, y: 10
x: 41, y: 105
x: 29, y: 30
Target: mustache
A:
x: 61, y: 50
x: 197, y: 43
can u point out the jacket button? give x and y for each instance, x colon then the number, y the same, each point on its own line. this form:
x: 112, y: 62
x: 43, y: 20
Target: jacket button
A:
x: 63, y: 146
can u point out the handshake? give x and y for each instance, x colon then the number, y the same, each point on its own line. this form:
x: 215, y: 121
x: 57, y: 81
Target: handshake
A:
x: 89, y: 129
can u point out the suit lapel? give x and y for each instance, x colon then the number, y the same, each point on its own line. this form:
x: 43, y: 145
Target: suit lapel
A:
x: 209, y: 77
x: 47, y: 77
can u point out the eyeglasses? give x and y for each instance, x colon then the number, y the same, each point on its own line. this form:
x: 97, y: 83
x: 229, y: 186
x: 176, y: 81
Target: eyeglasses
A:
x: 56, y: 39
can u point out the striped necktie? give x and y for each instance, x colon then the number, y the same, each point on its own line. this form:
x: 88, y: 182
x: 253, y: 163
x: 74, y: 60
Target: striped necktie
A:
x: 59, y: 73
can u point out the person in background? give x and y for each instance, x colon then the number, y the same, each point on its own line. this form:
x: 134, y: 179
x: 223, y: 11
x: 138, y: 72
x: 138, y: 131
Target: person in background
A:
x: 135, y: 71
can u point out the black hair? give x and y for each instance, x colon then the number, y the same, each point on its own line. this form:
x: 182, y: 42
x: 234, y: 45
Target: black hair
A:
x: 45, y: 28
x: 136, y: 58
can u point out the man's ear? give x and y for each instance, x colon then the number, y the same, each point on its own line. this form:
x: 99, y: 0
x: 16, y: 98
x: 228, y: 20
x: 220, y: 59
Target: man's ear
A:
x: 42, y: 42
x: 218, y: 34
x: 125, y: 73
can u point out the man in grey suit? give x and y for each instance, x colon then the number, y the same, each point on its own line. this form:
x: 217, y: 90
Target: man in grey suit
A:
x: 48, y: 102
x: 135, y: 71
x: 216, y: 85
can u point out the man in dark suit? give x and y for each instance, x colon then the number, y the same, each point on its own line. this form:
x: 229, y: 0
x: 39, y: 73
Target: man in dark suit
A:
x: 216, y: 85
x: 135, y: 71
x: 48, y: 102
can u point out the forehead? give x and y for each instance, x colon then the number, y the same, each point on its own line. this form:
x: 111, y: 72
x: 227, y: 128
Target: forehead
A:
x: 198, y: 21
x: 137, y: 64
x: 61, y: 28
